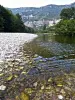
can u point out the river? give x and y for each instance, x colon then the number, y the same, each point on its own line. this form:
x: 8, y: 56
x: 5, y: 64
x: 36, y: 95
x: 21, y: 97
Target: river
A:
x: 37, y: 68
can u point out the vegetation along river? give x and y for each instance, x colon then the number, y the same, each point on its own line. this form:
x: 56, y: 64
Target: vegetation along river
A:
x: 42, y: 69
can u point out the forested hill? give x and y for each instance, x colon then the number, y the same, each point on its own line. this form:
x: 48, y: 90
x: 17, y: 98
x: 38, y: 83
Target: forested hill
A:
x: 11, y: 23
x: 45, y: 12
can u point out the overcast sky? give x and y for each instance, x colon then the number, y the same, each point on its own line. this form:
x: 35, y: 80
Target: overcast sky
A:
x: 32, y: 3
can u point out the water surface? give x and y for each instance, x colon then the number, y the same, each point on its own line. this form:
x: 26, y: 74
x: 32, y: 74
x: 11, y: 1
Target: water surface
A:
x: 48, y: 45
x: 42, y: 69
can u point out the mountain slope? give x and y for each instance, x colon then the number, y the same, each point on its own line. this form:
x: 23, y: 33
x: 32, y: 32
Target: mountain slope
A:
x: 46, y: 12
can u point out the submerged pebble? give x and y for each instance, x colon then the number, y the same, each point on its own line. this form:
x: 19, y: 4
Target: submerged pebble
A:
x: 2, y: 87
x: 60, y: 97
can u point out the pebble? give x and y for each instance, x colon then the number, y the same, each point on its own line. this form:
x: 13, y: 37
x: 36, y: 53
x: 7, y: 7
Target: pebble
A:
x: 60, y: 97
x: 2, y: 87
x: 1, y: 74
x: 35, y: 84
x: 42, y: 87
x: 0, y: 69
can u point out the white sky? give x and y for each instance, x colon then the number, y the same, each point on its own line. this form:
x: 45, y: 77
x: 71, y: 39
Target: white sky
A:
x: 32, y: 3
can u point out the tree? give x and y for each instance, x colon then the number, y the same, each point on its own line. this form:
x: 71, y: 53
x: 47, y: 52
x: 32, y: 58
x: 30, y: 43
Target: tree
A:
x: 11, y: 23
x: 65, y: 27
x: 1, y: 24
x: 44, y: 27
x: 68, y: 13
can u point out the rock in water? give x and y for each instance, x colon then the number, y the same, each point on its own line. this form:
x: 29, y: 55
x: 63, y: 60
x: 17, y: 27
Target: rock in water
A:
x: 60, y: 97
x: 2, y: 87
x: 33, y: 71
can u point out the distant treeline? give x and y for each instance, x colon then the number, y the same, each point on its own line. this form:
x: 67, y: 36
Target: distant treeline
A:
x: 12, y: 23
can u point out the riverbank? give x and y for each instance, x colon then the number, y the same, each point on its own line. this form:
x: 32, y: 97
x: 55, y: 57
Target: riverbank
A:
x: 11, y: 42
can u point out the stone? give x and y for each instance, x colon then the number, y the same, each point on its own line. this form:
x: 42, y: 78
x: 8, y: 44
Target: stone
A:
x: 60, y: 97
x: 36, y: 55
x: 42, y: 87
x: 48, y: 88
x: 62, y: 91
x: 50, y: 80
x: 33, y: 71
x: 21, y: 68
x: 1, y: 74
x: 2, y: 87
x: 35, y: 84
x: 0, y: 69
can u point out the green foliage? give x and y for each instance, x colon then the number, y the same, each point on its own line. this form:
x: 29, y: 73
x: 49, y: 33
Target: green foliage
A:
x: 65, y: 27
x: 68, y: 13
x: 1, y: 24
x: 11, y: 23
x: 46, y: 29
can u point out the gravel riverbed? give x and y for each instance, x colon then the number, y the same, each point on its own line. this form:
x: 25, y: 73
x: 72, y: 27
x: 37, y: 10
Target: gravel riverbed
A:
x: 31, y: 77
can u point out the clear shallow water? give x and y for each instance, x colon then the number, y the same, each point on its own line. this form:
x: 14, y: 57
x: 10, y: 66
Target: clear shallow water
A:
x: 53, y: 45
x: 51, y: 51
x: 53, y: 67
x: 39, y: 70
x: 10, y: 43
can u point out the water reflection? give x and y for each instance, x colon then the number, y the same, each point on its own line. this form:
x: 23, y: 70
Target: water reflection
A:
x: 45, y: 37
x: 58, y: 38
x: 33, y: 48
x: 64, y: 39
x: 48, y: 45
x: 53, y: 47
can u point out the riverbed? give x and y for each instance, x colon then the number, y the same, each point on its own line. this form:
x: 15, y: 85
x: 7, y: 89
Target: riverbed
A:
x: 38, y: 69
x: 11, y: 57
